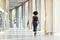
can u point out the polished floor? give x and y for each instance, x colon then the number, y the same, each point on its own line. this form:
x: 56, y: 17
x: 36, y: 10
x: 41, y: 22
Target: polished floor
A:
x: 25, y: 34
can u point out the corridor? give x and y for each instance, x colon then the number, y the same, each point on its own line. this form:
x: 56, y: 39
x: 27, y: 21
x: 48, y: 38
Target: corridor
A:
x: 16, y: 18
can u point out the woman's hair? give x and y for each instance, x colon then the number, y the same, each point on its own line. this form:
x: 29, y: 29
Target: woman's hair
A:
x: 35, y: 12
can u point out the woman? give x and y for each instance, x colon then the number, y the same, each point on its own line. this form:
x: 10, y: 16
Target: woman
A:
x: 35, y: 22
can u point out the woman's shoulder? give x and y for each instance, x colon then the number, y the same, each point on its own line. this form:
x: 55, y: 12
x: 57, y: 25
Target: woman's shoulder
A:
x: 35, y: 17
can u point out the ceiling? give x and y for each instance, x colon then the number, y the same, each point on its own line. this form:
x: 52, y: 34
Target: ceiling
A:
x: 14, y: 3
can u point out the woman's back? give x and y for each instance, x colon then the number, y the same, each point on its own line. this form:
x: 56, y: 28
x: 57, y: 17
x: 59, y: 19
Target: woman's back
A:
x: 35, y: 18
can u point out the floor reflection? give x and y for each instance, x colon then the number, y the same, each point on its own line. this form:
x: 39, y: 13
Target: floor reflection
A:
x: 17, y: 34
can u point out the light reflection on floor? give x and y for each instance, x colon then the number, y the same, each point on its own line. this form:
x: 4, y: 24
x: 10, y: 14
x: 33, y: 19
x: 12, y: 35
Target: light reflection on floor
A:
x: 20, y: 34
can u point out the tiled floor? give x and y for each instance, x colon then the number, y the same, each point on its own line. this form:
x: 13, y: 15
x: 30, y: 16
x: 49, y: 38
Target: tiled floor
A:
x: 21, y: 34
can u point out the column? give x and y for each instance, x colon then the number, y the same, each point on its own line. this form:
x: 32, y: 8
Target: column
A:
x: 7, y: 24
x: 4, y: 14
x: 17, y: 17
x: 56, y: 16
x: 38, y: 8
x: 20, y: 16
x: 30, y: 13
x: 48, y: 16
x: 34, y: 5
x: 11, y: 18
x: 23, y: 11
x: 26, y: 15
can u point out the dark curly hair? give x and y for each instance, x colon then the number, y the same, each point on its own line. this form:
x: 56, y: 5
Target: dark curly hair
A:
x: 35, y: 12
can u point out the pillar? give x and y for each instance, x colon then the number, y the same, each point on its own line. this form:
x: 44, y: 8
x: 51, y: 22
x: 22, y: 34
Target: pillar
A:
x: 56, y: 16
x: 30, y: 13
x: 17, y: 17
x: 38, y: 8
x: 48, y: 16
x: 23, y: 11
x: 11, y: 18
x: 34, y: 4
x: 26, y: 15
x: 4, y: 14
x: 20, y: 16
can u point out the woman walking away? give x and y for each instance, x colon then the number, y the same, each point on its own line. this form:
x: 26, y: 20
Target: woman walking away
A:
x: 35, y: 22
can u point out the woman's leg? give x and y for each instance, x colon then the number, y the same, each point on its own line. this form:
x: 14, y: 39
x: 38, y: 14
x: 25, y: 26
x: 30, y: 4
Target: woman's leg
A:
x: 35, y: 28
x: 35, y: 33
